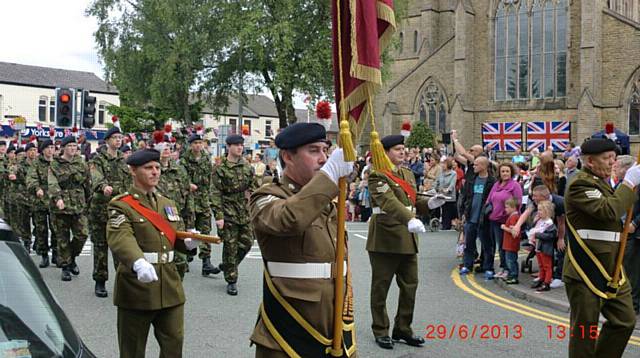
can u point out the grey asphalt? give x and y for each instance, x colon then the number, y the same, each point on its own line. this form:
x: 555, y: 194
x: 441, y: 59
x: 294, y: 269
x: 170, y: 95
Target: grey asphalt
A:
x: 218, y: 325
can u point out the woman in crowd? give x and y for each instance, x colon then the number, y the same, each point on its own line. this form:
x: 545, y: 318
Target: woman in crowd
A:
x: 446, y: 184
x: 562, y: 179
x: 431, y: 172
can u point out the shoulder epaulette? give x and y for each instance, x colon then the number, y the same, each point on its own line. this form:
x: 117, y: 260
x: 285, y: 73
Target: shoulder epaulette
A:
x: 118, y: 197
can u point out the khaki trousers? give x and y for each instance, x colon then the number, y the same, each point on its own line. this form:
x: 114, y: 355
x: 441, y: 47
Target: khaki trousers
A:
x: 168, y: 328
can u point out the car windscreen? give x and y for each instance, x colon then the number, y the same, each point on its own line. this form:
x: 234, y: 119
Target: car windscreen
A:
x: 32, y: 324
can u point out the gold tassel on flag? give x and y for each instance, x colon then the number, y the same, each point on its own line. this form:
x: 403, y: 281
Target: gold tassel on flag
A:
x: 379, y: 158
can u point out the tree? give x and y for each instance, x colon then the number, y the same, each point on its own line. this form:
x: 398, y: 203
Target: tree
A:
x: 134, y: 120
x: 421, y: 136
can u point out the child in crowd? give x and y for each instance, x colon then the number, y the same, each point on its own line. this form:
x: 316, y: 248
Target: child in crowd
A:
x: 352, y: 202
x: 543, y: 235
x: 511, y: 244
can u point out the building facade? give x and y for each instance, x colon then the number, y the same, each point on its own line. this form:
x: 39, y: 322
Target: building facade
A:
x: 461, y: 63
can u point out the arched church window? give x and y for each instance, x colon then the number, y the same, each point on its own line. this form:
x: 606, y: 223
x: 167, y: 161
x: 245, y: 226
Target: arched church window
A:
x: 433, y: 107
x: 530, y: 49
x: 634, y: 110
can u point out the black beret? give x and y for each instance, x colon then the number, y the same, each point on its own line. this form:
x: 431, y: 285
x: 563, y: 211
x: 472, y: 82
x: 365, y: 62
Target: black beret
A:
x: 112, y: 131
x: 45, y: 143
x: 392, y: 140
x: 68, y: 139
x: 194, y: 137
x: 143, y: 156
x: 19, y: 150
x: 29, y: 146
x: 234, y: 139
x: 299, y: 134
x: 125, y: 149
x: 2, y: 143
x: 597, y: 146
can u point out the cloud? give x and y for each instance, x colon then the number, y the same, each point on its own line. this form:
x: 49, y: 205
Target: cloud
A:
x: 50, y: 34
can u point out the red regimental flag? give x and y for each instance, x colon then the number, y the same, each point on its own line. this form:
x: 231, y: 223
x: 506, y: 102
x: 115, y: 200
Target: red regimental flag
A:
x: 365, y: 29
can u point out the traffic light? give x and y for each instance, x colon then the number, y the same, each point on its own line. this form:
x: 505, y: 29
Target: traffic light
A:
x: 88, y: 110
x: 65, y: 107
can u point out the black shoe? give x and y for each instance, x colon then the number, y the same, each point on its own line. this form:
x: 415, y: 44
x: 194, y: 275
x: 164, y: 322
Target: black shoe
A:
x: 66, y: 274
x: 536, y: 284
x: 189, y: 258
x: 543, y: 287
x: 384, y: 342
x: 74, y: 267
x: 187, y: 269
x: 45, y: 261
x: 54, y: 259
x: 232, y: 289
x: 208, y: 268
x: 100, y: 290
x: 415, y: 341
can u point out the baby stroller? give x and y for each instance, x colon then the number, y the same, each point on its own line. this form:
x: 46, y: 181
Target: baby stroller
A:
x: 435, y: 203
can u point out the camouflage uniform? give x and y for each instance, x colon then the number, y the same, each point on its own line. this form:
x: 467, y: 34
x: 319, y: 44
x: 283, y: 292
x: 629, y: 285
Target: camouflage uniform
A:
x: 174, y: 184
x: 199, y: 171
x: 22, y: 202
x: 4, y: 161
x: 10, y: 187
x: 37, y: 179
x: 71, y: 182
x: 230, y: 184
x: 106, y: 170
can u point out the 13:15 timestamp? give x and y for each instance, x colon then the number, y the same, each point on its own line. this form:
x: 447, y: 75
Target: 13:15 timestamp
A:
x: 579, y: 332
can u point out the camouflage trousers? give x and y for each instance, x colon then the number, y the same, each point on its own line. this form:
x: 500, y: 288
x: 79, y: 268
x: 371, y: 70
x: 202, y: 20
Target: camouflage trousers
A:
x: 42, y: 223
x: 98, y: 230
x: 203, y: 224
x: 20, y: 221
x: 65, y: 224
x: 237, y: 241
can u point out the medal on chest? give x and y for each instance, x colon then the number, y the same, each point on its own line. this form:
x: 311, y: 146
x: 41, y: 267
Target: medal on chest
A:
x: 172, y: 213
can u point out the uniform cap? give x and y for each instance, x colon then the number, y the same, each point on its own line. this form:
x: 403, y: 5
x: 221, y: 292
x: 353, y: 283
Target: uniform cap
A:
x: 45, y: 143
x: 68, y: 139
x: 391, y: 141
x: 143, y: 156
x: 125, y: 149
x: 29, y: 146
x: 234, y: 139
x: 194, y: 137
x: 299, y: 134
x: 597, y: 146
x: 19, y: 150
x: 113, y: 130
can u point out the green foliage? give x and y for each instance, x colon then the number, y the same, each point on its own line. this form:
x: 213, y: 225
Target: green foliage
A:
x: 132, y: 119
x: 421, y: 136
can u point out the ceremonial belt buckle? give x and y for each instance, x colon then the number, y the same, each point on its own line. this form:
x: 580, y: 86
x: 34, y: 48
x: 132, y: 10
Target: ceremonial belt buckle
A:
x: 324, y: 270
x: 159, y: 258
x: 600, y: 235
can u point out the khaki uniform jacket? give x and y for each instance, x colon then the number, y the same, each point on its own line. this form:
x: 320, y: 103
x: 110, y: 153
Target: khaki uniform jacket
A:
x: 129, y: 235
x: 388, y: 232
x: 298, y: 224
x: 591, y: 203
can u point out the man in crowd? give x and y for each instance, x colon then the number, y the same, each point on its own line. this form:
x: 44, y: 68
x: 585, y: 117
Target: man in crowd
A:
x: 571, y: 168
x: 594, y: 212
x: 392, y: 245
x: 109, y: 178
x: 38, y: 188
x: 69, y: 184
x: 232, y: 183
x: 148, y: 288
x: 295, y: 224
x: 465, y: 157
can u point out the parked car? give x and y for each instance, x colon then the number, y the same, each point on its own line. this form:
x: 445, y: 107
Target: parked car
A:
x: 32, y: 323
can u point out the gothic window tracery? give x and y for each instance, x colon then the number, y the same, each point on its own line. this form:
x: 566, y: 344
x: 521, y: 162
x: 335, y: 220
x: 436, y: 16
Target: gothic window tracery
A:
x: 433, y: 107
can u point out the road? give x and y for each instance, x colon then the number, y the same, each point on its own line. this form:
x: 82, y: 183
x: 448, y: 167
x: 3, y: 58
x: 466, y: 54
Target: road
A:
x: 447, y: 307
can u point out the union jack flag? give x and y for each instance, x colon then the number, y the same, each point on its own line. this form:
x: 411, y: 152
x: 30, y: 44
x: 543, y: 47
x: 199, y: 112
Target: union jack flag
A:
x: 544, y: 134
x: 504, y: 136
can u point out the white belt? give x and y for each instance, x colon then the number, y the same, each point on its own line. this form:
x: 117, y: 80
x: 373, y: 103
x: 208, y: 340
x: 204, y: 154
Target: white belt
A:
x: 156, y: 258
x: 302, y: 270
x: 377, y: 210
x: 599, y: 235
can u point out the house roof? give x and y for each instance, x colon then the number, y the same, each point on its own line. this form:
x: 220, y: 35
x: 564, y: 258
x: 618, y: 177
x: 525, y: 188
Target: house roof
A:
x: 13, y: 73
x: 255, y: 106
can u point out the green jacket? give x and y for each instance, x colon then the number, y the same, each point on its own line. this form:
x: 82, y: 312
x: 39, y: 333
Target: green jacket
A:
x: 19, y: 188
x: 36, y: 180
x: 71, y: 182
x: 174, y: 184
x: 199, y: 171
x: 591, y: 203
x: 107, y: 171
x: 230, y: 184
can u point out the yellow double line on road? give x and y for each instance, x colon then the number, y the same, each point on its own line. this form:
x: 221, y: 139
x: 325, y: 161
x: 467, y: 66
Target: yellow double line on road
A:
x: 490, y: 297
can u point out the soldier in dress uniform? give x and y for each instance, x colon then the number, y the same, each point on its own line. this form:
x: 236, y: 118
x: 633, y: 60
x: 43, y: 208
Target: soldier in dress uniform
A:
x: 69, y: 184
x: 593, y: 215
x: 232, y: 182
x: 148, y: 290
x: 38, y: 187
x: 295, y: 222
x: 393, y: 245
x: 109, y: 178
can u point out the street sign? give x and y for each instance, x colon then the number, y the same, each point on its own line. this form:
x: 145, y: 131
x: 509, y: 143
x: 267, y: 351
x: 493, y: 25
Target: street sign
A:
x: 20, y: 123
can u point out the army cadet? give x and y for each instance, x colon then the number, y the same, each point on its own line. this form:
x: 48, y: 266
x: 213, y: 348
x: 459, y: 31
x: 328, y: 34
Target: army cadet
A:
x: 174, y: 184
x: 69, y: 184
x: 23, y: 200
x: 148, y: 290
x: 38, y: 187
x: 9, y: 163
x: 232, y: 181
x: 392, y: 244
x: 4, y: 160
x: 198, y: 165
x: 295, y: 223
x: 593, y: 215
x: 109, y: 178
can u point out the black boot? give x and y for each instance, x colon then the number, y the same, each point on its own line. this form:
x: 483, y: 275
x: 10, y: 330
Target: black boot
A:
x: 232, y: 289
x: 208, y: 268
x: 74, y: 267
x: 100, y: 290
x: 66, y: 273
x: 54, y: 259
x: 45, y: 261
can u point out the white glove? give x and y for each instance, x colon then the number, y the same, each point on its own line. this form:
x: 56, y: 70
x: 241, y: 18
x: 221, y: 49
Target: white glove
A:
x: 416, y: 226
x: 633, y: 175
x: 146, y: 272
x: 190, y: 243
x: 336, y: 167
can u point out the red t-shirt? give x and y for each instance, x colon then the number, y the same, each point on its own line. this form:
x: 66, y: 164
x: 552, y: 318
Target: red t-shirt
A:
x: 509, y: 243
